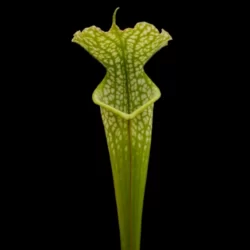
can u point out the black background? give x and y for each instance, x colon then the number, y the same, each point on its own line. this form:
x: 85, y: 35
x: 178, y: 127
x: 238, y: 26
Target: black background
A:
x: 59, y: 191
x: 70, y: 185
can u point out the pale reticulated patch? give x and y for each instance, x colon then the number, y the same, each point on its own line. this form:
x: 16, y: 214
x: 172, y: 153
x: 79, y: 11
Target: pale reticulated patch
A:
x: 123, y: 54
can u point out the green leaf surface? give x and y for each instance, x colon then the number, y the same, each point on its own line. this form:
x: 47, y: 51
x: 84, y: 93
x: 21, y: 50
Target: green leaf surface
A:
x: 126, y: 97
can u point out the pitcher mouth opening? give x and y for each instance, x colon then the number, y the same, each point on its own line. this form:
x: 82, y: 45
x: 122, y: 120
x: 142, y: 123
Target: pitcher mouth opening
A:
x: 98, y: 100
